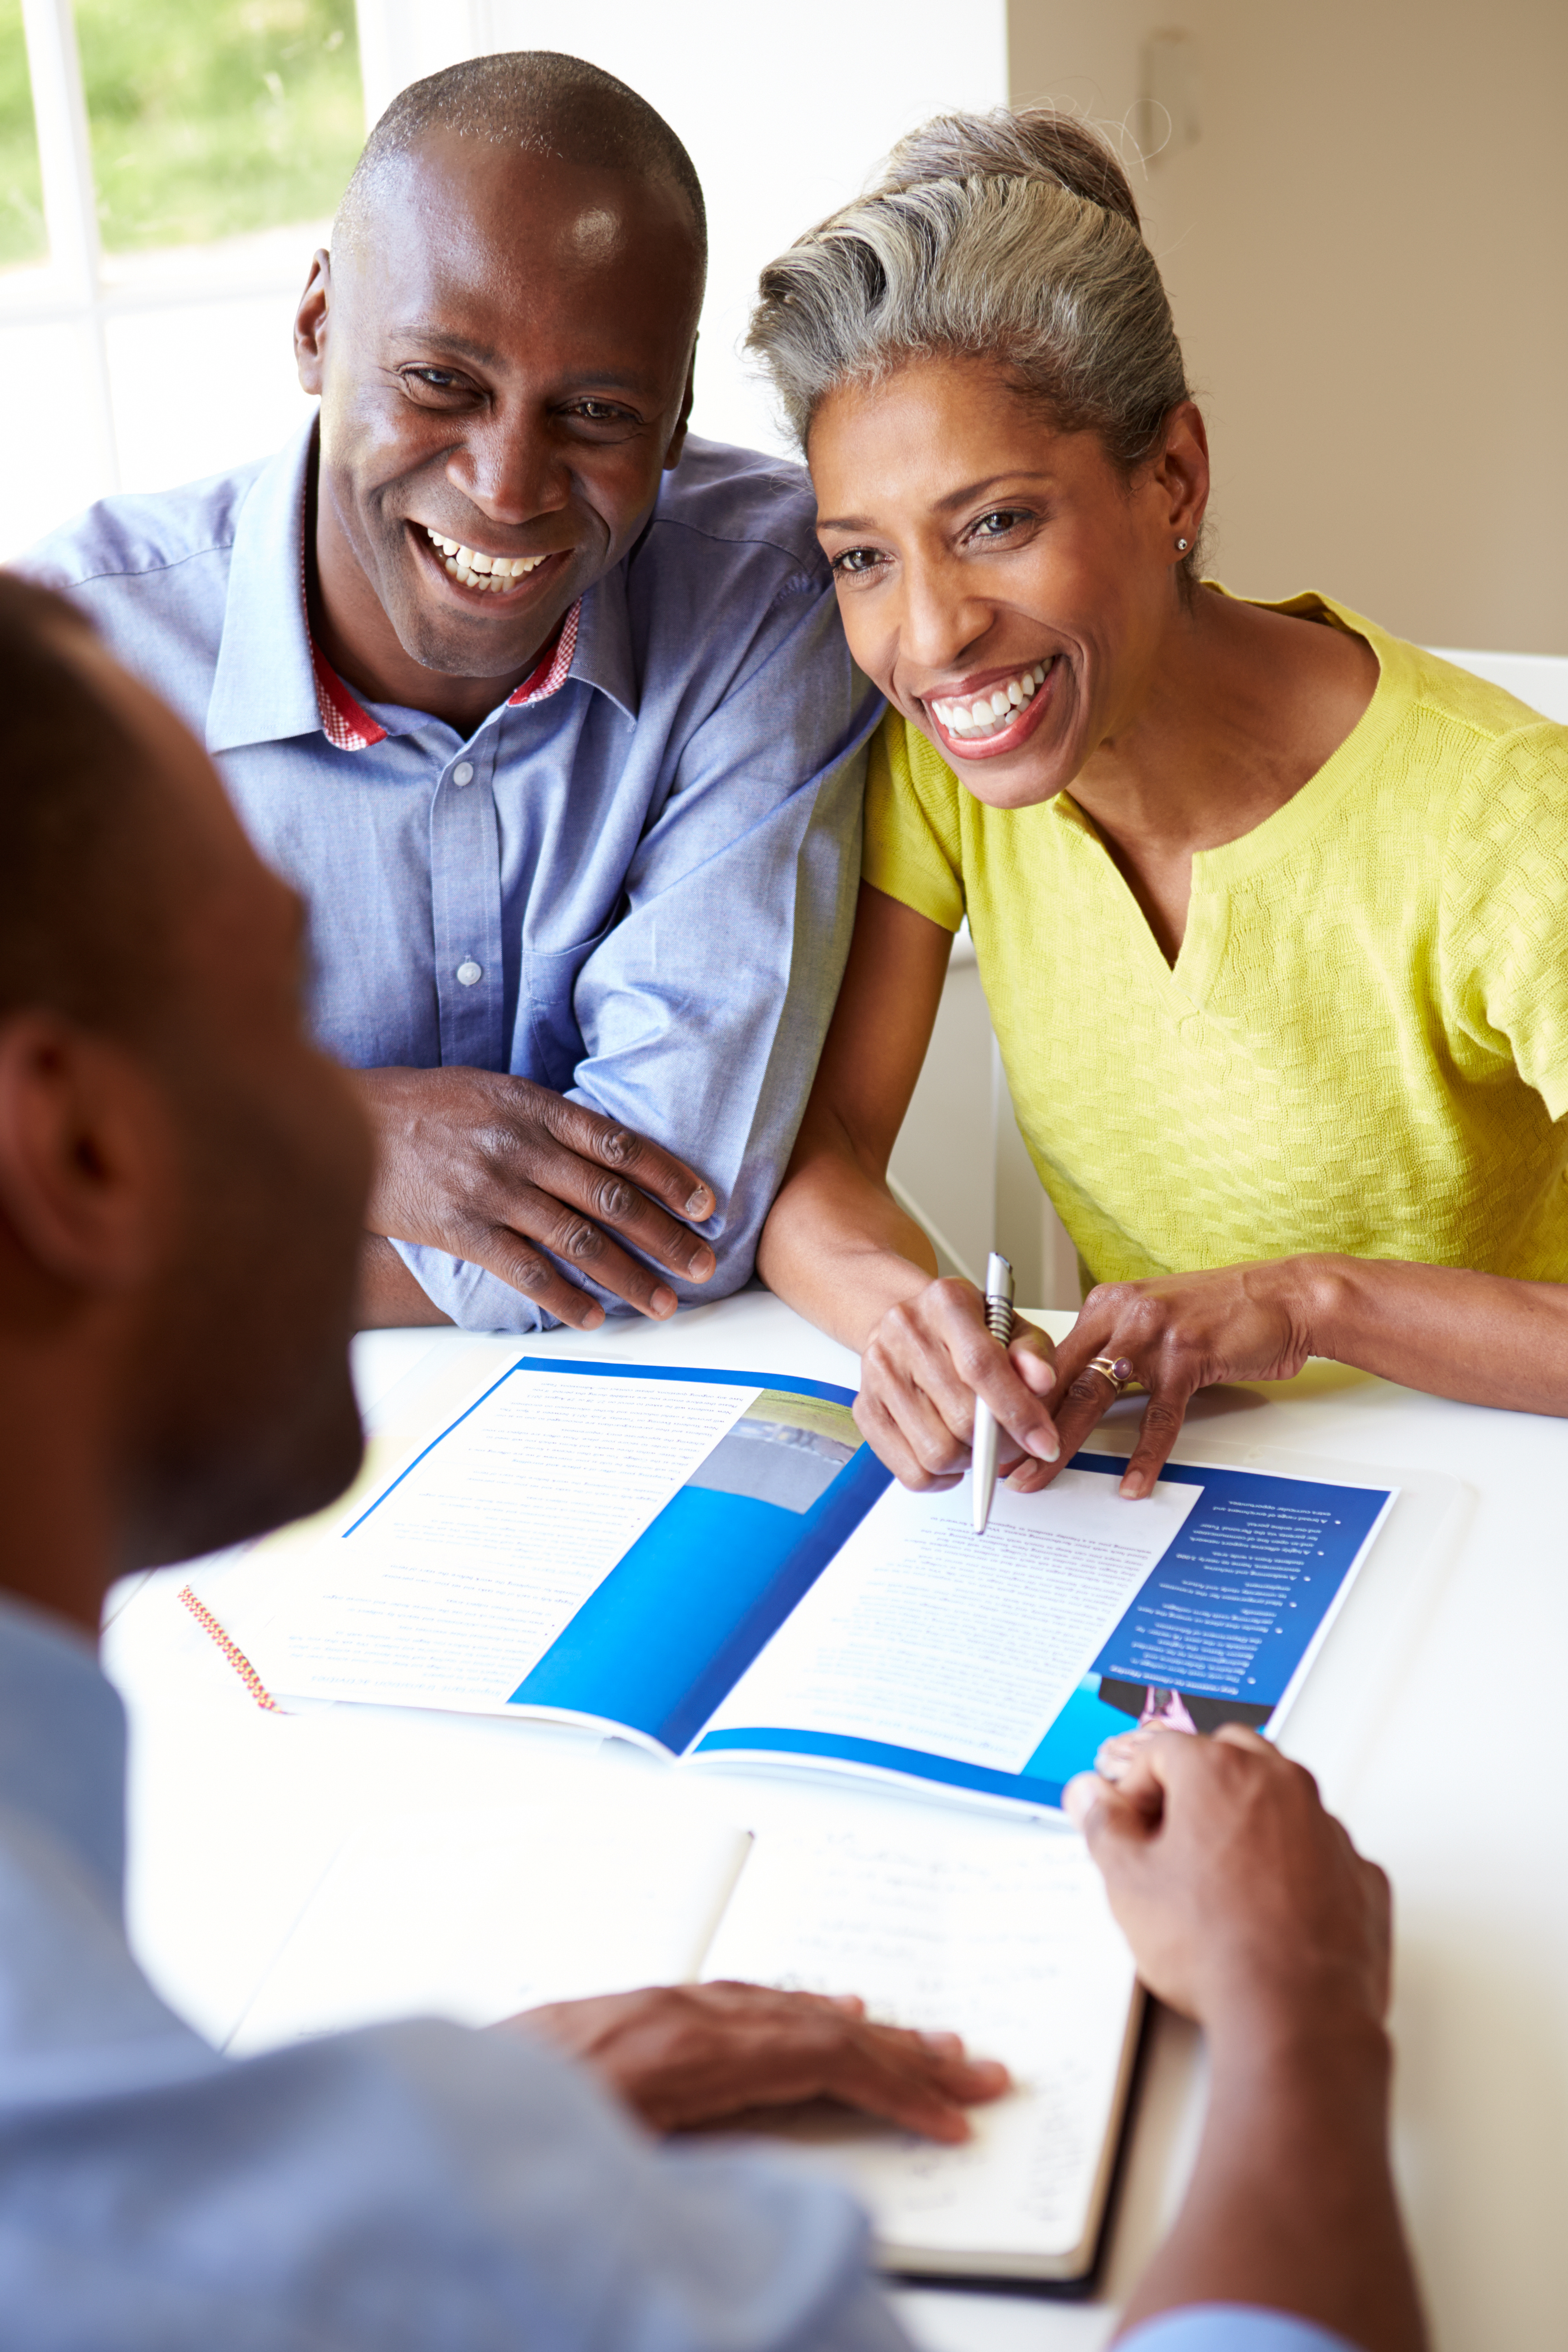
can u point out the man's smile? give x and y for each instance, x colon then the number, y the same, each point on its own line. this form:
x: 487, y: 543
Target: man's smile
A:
x: 478, y: 572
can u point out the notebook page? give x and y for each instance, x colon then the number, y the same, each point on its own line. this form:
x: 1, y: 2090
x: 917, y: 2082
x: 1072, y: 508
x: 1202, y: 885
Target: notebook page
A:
x: 999, y: 1931
x: 454, y: 1584
x: 475, y: 1915
x: 922, y: 1634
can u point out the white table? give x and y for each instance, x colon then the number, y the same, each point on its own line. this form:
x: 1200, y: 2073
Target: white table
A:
x: 1457, y: 1787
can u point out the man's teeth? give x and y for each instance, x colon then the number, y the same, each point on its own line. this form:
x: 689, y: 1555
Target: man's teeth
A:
x: 477, y: 571
x: 989, y: 714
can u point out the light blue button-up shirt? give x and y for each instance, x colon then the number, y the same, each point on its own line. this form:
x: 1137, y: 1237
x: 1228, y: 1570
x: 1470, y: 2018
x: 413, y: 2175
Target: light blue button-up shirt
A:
x: 415, y: 2187
x: 637, y: 891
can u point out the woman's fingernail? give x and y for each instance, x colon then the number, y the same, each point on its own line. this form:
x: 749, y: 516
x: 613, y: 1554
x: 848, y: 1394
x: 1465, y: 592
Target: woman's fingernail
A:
x: 1045, y: 1449
x: 943, y: 2045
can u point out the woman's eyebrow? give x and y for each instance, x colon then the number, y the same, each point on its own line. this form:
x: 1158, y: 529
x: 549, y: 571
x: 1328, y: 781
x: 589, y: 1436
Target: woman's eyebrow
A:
x: 950, y: 499
x: 977, y: 490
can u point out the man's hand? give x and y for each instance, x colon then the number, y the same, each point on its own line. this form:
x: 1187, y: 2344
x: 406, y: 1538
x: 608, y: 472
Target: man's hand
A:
x: 1178, y: 1333
x: 498, y: 1171
x: 1248, y: 1908
x: 1240, y: 1896
x: 686, y: 2054
x: 921, y: 1371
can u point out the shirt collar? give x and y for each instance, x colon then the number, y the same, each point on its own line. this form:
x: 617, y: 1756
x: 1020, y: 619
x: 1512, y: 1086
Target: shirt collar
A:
x: 271, y: 682
x: 62, y: 1738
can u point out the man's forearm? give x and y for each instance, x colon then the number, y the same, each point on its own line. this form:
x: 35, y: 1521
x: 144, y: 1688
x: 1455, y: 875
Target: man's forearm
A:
x: 839, y: 1250
x: 1292, y: 2204
x: 388, y: 1296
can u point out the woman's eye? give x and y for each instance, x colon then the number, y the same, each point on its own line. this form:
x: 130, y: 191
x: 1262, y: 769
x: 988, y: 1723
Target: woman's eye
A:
x: 857, y: 560
x: 999, y: 522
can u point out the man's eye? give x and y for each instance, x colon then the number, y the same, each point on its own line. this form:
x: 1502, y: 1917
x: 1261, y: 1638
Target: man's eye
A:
x: 857, y: 561
x: 433, y: 379
x: 600, y: 412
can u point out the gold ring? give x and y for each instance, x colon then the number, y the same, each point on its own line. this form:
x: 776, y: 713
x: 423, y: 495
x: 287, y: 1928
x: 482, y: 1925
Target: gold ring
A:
x: 1117, y: 1369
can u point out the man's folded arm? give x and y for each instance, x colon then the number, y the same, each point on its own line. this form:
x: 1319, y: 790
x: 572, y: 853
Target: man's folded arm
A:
x: 703, y: 1011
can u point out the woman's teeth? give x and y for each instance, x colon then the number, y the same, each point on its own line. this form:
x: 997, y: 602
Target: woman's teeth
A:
x: 477, y: 571
x: 989, y: 714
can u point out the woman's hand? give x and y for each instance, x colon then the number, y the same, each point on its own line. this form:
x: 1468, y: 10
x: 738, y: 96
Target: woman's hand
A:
x: 921, y: 1371
x: 1178, y: 1334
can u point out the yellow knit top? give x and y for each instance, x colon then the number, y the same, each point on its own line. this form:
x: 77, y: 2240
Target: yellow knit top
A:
x: 1362, y: 1045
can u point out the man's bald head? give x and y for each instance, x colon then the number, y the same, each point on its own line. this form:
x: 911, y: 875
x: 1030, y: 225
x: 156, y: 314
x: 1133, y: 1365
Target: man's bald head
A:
x: 539, y: 101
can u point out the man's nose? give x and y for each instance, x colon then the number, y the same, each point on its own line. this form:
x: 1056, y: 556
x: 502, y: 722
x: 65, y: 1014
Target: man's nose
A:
x: 508, y: 467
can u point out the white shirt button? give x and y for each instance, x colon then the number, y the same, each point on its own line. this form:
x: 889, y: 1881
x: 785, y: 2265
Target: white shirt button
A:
x: 469, y: 972
x: 463, y: 773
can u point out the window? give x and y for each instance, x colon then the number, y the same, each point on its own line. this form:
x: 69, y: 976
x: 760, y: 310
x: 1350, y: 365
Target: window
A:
x: 167, y: 168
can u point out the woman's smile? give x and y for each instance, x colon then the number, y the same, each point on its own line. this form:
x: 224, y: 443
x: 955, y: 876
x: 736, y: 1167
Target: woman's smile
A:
x: 978, y: 720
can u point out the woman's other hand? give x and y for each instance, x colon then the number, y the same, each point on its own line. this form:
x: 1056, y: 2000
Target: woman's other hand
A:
x: 921, y: 1371
x: 1177, y: 1334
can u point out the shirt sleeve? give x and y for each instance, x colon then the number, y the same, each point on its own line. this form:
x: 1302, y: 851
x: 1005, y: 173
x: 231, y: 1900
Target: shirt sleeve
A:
x: 912, y: 850
x: 1230, y: 2327
x: 1505, y: 913
x: 703, y: 1010
x: 414, y: 2187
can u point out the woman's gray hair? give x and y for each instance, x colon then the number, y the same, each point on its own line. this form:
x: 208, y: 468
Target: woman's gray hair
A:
x: 1011, y: 238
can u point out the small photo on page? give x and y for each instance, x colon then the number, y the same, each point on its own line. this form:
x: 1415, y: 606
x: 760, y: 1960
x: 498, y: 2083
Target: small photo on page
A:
x: 784, y: 1449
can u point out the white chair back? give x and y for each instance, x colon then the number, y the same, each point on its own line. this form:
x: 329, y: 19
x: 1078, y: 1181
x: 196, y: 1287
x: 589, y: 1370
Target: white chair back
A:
x: 1540, y: 679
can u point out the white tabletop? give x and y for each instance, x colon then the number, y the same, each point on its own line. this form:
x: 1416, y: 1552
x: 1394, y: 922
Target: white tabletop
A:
x: 1433, y: 1712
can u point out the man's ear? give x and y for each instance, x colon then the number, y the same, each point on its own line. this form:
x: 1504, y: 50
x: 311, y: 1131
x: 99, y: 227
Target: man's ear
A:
x: 88, y: 1171
x: 677, y: 438
x: 310, y: 322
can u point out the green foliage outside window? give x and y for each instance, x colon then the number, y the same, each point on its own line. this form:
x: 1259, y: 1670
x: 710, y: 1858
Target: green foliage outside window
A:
x: 208, y: 117
x: 21, y: 195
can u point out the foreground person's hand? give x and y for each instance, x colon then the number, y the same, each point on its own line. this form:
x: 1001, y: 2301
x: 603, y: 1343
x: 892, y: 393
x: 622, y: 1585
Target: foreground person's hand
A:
x: 921, y: 1371
x: 1248, y: 1908
x: 1175, y: 1334
x: 682, y: 2055
x: 1237, y: 1892
x: 485, y: 1167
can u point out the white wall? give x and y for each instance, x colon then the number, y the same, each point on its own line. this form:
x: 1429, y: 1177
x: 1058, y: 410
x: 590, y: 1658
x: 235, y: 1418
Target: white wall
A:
x: 1365, y: 252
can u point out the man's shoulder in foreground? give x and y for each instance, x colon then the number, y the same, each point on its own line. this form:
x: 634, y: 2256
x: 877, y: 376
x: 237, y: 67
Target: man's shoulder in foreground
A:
x: 742, y: 498
x: 151, y: 569
x: 136, y: 536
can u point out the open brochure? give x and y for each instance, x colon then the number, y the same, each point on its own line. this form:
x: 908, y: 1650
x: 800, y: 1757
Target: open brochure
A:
x: 713, y: 1564
x: 995, y: 1929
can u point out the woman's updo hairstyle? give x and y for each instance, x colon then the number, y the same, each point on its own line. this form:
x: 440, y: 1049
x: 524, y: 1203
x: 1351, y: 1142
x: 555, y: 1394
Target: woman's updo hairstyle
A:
x: 1001, y: 236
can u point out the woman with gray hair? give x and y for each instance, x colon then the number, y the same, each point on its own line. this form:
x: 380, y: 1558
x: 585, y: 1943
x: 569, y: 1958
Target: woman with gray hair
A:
x: 1269, y: 906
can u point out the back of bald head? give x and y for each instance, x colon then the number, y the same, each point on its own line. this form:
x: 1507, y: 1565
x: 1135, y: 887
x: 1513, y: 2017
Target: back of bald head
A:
x: 84, y: 889
x: 539, y: 101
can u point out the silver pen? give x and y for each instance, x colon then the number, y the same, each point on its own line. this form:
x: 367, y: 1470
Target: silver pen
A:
x: 999, y: 1323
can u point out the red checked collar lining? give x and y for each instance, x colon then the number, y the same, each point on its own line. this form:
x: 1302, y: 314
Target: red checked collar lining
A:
x: 347, y: 724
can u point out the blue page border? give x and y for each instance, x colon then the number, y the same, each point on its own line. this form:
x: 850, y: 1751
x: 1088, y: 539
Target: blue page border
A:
x: 1072, y: 1740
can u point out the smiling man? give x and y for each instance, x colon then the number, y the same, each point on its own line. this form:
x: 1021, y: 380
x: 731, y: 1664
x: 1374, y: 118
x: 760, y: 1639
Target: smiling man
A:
x: 542, y: 705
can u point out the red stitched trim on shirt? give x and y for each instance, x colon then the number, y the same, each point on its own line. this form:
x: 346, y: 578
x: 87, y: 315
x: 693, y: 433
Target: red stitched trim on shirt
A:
x: 347, y: 724
x: 550, y: 672
x: 344, y: 722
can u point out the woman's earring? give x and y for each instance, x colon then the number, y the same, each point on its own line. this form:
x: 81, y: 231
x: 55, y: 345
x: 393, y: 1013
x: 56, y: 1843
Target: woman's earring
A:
x: 1181, y: 547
